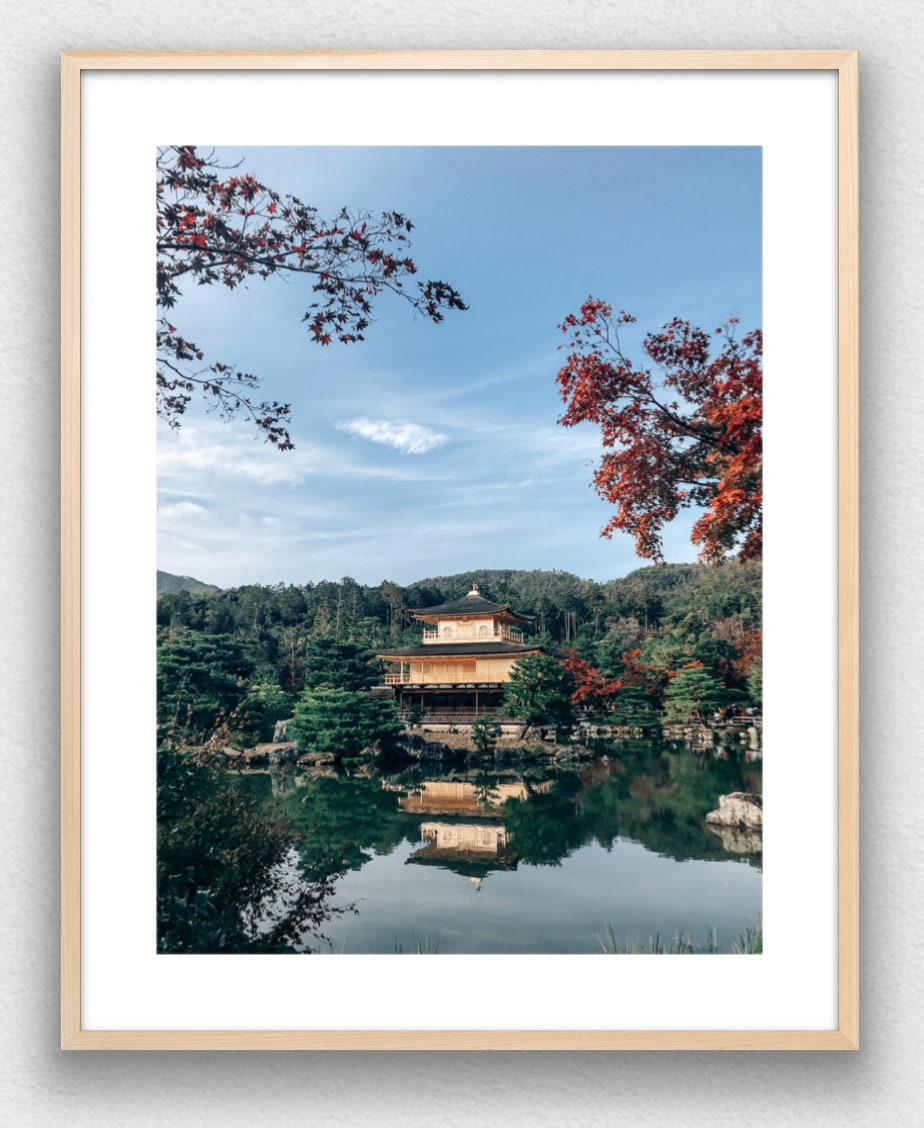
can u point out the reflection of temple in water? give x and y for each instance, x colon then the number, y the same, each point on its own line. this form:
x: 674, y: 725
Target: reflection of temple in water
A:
x: 464, y: 838
x: 471, y: 849
x: 461, y: 797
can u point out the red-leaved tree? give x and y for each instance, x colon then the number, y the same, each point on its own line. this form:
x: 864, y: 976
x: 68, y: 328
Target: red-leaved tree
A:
x: 681, y: 430
x: 749, y: 648
x: 216, y: 225
x: 652, y: 679
x: 591, y: 687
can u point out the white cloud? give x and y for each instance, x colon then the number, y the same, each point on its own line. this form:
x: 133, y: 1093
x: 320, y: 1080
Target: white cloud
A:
x: 181, y: 509
x: 199, y: 450
x: 215, y: 456
x: 408, y: 438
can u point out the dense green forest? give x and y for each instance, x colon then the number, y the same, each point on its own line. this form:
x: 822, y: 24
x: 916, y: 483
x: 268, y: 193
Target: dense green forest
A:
x: 252, y: 651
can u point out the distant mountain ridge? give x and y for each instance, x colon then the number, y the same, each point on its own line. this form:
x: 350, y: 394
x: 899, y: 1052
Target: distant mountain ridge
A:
x: 168, y: 584
x: 502, y: 584
x: 505, y: 584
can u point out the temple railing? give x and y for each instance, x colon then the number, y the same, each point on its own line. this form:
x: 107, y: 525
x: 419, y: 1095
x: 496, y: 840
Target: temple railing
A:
x: 503, y: 634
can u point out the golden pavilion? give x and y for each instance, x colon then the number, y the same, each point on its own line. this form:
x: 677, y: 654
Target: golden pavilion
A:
x: 468, y: 649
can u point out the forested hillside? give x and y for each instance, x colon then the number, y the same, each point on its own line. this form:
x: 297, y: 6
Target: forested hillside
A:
x: 665, y: 616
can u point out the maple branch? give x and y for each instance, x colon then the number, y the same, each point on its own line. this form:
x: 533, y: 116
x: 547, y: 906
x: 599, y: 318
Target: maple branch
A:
x: 658, y: 458
x: 230, y: 230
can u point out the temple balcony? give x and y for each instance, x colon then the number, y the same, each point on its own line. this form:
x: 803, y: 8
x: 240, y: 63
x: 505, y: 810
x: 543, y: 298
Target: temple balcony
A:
x: 473, y: 634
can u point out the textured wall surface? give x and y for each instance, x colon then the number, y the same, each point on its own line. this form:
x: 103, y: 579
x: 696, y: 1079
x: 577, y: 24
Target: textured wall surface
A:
x: 881, y: 1085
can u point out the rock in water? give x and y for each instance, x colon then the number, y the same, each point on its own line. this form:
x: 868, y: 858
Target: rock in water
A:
x: 281, y: 732
x: 739, y: 809
x: 739, y: 840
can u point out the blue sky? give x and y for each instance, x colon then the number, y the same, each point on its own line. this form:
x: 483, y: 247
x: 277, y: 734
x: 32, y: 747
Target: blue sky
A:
x: 427, y: 450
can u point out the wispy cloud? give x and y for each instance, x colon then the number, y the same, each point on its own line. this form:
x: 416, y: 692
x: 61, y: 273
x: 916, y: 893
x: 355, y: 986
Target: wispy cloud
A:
x: 529, y: 368
x: 200, y: 450
x: 220, y: 457
x: 181, y: 509
x: 408, y: 438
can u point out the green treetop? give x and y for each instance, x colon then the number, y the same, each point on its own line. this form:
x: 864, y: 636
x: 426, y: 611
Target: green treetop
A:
x: 340, y: 665
x: 200, y: 680
x: 343, y: 723
x: 485, y: 734
x: 539, y: 692
x: 632, y: 705
x: 695, y: 690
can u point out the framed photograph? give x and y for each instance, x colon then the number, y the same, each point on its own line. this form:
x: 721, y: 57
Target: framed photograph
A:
x: 437, y: 563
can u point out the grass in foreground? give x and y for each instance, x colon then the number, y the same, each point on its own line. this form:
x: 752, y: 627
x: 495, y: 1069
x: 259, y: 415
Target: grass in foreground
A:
x: 679, y: 943
x: 421, y: 948
x: 751, y: 943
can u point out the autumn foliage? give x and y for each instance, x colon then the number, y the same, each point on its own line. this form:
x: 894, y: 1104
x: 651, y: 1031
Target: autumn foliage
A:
x: 638, y: 688
x: 217, y: 225
x: 651, y: 679
x: 681, y: 430
x: 591, y: 688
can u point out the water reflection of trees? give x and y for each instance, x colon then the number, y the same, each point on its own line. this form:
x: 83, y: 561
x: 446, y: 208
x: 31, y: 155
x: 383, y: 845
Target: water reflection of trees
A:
x: 228, y: 878
x: 661, y: 801
x: 250, y: 862
x: 547, y: 827
x: 342, y: 821
x: 648, y: 792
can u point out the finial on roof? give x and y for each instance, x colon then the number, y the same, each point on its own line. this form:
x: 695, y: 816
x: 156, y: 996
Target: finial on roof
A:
x: 474, y: 590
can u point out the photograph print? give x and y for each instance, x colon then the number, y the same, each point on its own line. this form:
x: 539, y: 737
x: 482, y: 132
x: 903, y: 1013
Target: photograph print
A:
x: 459, y: 616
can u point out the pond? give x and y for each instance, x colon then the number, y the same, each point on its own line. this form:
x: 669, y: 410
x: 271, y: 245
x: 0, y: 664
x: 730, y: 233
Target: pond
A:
x: 534, y: 858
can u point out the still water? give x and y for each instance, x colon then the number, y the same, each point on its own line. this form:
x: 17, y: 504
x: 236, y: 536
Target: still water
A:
x: 535, y: 859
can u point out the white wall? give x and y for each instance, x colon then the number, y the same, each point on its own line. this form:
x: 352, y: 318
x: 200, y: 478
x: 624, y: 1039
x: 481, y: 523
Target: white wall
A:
x: 881, y: 1085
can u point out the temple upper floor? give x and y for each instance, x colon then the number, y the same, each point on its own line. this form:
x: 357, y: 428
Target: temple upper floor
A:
x: 472, y: 619
x: 468, y: 630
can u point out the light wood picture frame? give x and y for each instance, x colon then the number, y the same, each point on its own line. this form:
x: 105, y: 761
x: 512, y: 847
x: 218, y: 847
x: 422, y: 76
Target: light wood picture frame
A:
x: 76, y: 1033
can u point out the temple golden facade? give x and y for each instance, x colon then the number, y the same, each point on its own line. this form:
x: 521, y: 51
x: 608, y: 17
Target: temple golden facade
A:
x: 468, y: 649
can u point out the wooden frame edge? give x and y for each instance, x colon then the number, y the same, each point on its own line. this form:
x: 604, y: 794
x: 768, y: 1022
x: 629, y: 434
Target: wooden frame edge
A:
x: 848, y: 551
x: 455, y: 1040
x: 70, y: 550
x: 460, y: 60
x: 846, y: 1036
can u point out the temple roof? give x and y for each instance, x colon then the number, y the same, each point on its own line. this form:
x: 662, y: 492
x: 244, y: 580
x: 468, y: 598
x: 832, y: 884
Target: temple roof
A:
x: 474, y: 648
x: 471, y: 604
x: 462, y: 863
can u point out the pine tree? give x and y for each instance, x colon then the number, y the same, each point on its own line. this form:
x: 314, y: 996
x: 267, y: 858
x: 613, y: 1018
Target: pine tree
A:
x: 485, y: 734
x: 323, y: 623
x: 695, y: 690
x: 200, y: 680
x: 344, y: 724
x: 756, y: 683
x: 632, y: 706
x: 539, y: 692
x: 254, y: 720
x: 340, y: 665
